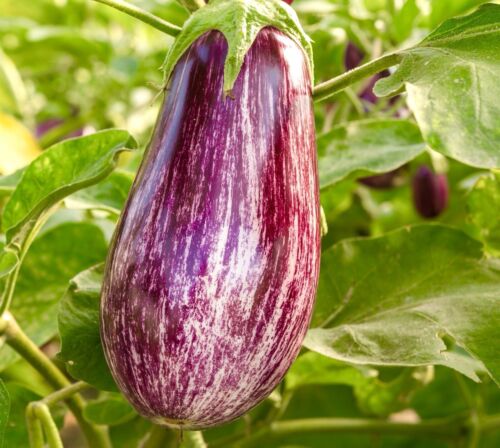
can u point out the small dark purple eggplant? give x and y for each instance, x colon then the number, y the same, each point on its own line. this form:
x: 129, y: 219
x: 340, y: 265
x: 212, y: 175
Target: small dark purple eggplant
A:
x: 430, y: 192
x: 382, y: 181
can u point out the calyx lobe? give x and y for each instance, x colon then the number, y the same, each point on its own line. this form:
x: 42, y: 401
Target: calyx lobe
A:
x: 239, y: 21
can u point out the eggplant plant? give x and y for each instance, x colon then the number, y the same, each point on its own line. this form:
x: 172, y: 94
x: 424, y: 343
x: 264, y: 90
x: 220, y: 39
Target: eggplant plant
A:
x: 232, y: 250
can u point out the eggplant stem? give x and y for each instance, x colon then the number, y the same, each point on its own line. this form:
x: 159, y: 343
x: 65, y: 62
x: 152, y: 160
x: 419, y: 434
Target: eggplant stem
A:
x: 143, y: 16
x: 335, y: 85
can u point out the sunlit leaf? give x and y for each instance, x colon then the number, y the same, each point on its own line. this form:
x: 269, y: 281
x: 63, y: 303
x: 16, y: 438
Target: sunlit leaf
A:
x: 452, y: 82
x: 60, y: 171
x: 369, y: 146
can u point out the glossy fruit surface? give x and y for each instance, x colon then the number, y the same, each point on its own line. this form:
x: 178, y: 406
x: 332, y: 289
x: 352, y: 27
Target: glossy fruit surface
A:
x: 213, y: 269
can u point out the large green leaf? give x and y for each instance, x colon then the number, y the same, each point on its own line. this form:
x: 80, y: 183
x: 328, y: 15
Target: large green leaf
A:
x: 483, y: 203
x: 60, y: 171
x: 8, y: 183
x: 371, y: 146
x: 452, y: 82
x: 392, y: 300
x: 54, y: 258
x: 81, y: 346
x: 4, y: 410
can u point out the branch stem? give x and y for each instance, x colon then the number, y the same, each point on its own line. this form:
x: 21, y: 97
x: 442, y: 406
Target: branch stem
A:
x: 143, y: 16
x: 64, y: 393
x: 444, y: 427
x: 22, y: 344
x: 41, y: 411
x: 35, y: 430
x: 329, y: 88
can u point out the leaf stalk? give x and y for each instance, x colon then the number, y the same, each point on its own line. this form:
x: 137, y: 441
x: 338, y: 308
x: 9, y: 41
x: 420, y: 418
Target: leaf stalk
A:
x: 335, y: 85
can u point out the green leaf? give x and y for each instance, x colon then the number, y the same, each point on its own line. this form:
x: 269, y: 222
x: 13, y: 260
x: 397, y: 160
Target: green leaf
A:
x: 54, y: 258
x: 374, y: 397
x: 81, y: 346
x: 483, y: 204
x: 108, y: 195
x: 392, y: 300
x: 240, y: 21
x: 8, y: 261
x: 8, y: 183
x: 111, y: 410
x: 373, y: 146
x: 452, y: 82
x: 4, y: 410
x: 313, y: 369
x: 60, y: 171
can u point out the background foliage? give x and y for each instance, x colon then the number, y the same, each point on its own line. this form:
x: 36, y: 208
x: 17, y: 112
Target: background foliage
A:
x: 407, y: 321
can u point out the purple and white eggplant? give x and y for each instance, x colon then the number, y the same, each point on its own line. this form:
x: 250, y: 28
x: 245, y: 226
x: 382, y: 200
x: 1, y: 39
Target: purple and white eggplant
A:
x: 212, y: 273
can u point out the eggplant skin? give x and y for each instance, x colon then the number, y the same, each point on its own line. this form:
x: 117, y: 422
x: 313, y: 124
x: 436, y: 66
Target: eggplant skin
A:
x: 430, y: 192
x: 212, y: 272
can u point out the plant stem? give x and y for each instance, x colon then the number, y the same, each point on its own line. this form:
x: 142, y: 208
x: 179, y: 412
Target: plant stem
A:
x: 41, y: 411
x: 192, y: 5
x: 143, y: 16
x: 65, y: 393
x: 490, y: 423
x: 195, y: 439
x: 161, y: 437
x: 329, y: 88
x: 38, y: 412
x: 22, y: 344
x: 35, y: 431
x: 445, y: 427
x: 10, y: 286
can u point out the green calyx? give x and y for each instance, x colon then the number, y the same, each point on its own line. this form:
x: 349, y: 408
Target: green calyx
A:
x: 239, y: 21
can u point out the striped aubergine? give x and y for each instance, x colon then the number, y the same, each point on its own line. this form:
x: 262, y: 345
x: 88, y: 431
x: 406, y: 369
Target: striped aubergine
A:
x: 212, y: 272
